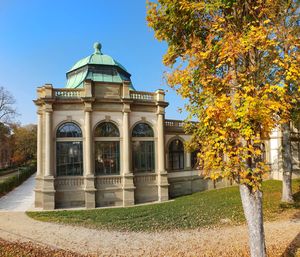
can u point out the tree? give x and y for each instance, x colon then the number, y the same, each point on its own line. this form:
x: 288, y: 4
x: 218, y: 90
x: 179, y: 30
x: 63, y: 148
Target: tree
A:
x: 224, y: 59
x: 7, y: 110
x: 287, y: 34
x: 24, y: 144
x: 5, y: 140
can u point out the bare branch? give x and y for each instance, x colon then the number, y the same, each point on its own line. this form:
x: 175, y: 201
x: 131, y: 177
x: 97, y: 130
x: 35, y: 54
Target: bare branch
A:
x: 7, y: 109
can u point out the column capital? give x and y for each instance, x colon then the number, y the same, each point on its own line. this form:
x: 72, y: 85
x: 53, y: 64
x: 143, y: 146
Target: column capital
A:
x: 160, y: 110
x: 126, y: 108
x: 39, y: 112
x: 88, y: 104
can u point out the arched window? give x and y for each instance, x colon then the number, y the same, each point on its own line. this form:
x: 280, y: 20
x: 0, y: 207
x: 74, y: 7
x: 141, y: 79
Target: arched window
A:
x: 107, y: 149
x: 176, y: 155
x: 142, y: 130
x: 142, y: 148
x: 69, y: 150
x: 107, y: 129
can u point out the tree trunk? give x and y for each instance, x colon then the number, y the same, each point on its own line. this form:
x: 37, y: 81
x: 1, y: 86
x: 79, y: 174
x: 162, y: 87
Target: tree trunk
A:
x: 287, y: 195
x: 252, y: 204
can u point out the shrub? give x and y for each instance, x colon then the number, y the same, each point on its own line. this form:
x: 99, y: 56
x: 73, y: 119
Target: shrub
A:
x: 14, y: 181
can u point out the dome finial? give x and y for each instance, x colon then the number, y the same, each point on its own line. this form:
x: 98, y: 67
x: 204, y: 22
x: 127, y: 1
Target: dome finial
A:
x: 97, y: 47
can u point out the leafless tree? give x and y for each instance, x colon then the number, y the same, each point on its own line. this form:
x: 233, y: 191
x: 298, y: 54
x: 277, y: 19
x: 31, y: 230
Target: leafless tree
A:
x: 7, y: 109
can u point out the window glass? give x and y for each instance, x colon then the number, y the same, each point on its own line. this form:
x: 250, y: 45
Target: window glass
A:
x: 68, y: 129
x: 143, y: 156
x: 107, y: 158
x: 142, y: 130
x: 107, y: 129
x: 69, y: 159
x: 176, y: 155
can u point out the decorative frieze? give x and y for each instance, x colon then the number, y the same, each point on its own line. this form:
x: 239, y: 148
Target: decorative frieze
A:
x: 108, y: 181
x: 69, y: 182
x: 143, y: 179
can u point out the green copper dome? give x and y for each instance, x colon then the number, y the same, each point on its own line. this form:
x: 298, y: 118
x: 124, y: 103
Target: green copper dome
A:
x: 99, y: 68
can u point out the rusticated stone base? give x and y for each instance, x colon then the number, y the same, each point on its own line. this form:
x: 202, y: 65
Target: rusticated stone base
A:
x: 128, y: 190
x: 163, y: 187
x: 89, y: 192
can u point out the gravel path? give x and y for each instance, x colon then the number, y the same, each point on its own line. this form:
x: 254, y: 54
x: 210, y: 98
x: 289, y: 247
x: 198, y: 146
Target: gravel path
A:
x: 214, y: 242
x: 21, y: 198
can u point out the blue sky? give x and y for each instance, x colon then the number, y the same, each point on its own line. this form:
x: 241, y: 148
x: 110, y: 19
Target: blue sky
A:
x: 41, y: 39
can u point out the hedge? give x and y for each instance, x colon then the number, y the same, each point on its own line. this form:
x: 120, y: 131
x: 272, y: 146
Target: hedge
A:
x: 16, y: 180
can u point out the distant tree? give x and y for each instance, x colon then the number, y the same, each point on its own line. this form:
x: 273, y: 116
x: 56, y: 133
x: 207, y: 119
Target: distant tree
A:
x: 224, y: 57
x: 5, y: 143
x: 4, y: 131
x: 7, y: 109
x: 24, y: 144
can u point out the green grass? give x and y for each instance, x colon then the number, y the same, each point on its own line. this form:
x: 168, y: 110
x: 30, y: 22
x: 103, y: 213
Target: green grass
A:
x: 203, y: 209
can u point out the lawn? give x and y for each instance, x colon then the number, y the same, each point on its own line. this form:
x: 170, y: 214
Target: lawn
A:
x: 204, y: 209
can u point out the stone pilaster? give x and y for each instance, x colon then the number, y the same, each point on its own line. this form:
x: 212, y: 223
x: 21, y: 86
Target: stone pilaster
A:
x: 162, y: 176
x: 48, y: 199
x: 127, y: 176
x: 39, y: 173
x: 187, y: 162
x: 89, y: 174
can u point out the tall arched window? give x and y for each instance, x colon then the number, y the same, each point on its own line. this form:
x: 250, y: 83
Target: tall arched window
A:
x: 107, y: 149
x: 69, y: 150
x: 143, y: 148
x: 176, y: 155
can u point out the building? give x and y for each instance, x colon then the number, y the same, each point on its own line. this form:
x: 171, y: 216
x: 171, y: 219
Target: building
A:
x: 102, y: 143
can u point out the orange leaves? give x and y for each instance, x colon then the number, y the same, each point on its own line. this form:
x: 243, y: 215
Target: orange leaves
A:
x: 236, y: 64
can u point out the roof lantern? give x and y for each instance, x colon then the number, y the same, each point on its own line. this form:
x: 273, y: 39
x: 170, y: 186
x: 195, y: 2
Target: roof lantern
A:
x: 97, y: 67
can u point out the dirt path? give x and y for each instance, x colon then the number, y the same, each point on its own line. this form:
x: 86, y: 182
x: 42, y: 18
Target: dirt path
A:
x: 213, y: 242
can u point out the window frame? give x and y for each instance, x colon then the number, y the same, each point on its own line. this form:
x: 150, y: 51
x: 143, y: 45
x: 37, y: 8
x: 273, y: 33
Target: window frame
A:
x: 108, y: 139
x: 68, y: 139
x: 140, y: 138
x: 170, y: 156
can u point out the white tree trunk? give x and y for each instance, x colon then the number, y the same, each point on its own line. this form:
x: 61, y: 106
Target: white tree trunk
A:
x: 287, y: 195
x: 252, y: 204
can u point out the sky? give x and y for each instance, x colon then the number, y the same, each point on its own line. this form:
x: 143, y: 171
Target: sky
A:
x: 41, y: 39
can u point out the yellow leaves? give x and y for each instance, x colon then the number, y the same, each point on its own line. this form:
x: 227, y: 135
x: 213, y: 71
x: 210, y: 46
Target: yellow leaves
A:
x: 236, y: 75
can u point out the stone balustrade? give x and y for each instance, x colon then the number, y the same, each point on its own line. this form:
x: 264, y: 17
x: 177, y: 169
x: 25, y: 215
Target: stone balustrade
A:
x: 49, y: 92
x: 174, y: 123
x: 108, y: 180
x: 69, y: 182
x: 144, y: 96
x: 174, y: 126
x: 145, y: 178
x: 68, y: 93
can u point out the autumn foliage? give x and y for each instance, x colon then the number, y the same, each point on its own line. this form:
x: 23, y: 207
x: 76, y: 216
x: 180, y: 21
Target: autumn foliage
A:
x: 227, y: 58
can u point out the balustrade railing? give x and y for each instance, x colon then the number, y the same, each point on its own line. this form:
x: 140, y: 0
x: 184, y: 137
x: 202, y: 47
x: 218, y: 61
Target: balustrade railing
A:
x: 142, y: 179
x: 69, y: 182
x: 140, y: 95
x: 68, y: 93
x: 174, y: 123
x: 109, y: 180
